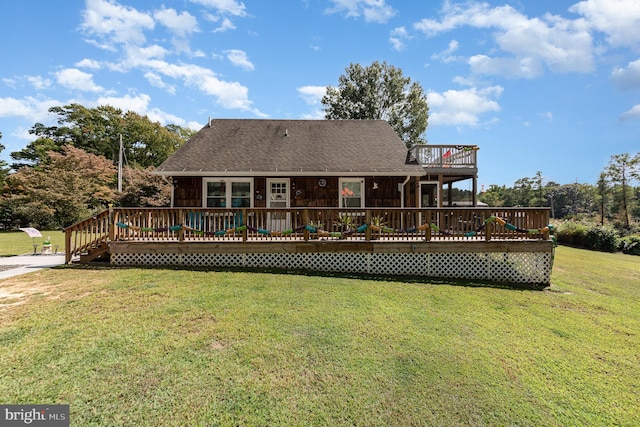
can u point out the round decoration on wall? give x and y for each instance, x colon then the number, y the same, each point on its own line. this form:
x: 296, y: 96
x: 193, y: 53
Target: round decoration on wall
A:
x: 322, y: 182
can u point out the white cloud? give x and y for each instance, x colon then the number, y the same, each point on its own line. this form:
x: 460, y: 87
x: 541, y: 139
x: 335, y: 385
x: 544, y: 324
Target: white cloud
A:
x: 312, y: 95
x: 462, y: 107
x: 156, y: 81
x: 113, y: 22
x: 631, y: 114
x: 508, y: 67
x: 618, y: 19
x: 230, y: 7
x: 89, y: 63
x: 138, y: 104
x: 230, y: 95
x: 226, y: 25
x: 446, y: 55
x: 28, y: 108
x: 39, y: 82
x: 530, y: 44
x: 76, y: 79
x: 371, y: 10
x: 181, y: 24
x: 239, y: 59
x: 397, y: 38
x: 627, y: 77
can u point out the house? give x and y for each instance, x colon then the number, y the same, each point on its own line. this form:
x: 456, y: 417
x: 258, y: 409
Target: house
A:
x: 321, y: 195
x: 309, y: 163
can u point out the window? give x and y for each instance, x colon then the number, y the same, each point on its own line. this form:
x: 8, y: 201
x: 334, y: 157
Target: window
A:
x: 228, y: 193
x: 351, y: 193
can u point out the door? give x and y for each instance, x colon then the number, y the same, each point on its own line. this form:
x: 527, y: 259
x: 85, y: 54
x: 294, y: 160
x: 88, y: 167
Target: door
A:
x: 429, y: 195
x: 278, y: 198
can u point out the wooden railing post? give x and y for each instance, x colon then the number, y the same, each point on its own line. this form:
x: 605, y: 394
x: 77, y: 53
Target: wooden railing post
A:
x: 181, y: 221
x: 429, y: 218
x: 67, y: 246
x: 111, y: 224
x: 305, y: 221
x: 367, y: 220
x: 487, y: 230
x: 245, y: 221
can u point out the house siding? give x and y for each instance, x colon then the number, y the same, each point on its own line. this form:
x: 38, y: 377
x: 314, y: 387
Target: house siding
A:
x: 307, y: 192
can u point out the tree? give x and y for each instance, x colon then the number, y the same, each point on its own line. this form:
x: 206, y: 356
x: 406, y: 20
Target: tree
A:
x: 97, y: 131
x: 380, y: 92
x: 621, y: 170
x: 4, y: 170
x: 71, y: 186
x: 144, y: 189
x: 603, y: 189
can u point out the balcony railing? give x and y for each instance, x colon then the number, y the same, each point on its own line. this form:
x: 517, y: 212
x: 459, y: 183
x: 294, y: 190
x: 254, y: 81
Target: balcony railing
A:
x: 446, y: 156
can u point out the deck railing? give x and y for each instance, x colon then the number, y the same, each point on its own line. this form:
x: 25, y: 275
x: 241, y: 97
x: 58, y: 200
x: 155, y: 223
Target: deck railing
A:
x: 263, y: 224
x: 87, y: 234
x: 445, y: 156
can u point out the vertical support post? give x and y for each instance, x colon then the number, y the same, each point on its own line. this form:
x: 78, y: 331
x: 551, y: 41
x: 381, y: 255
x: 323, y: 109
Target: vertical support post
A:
x: 67, y: 246
x: 367, y: 220
x: 244, y: 221
x: 181, y: 222
x: 487, y: 230
x: 429, y: 218
x: 305, y: 221
x: 111, y: 224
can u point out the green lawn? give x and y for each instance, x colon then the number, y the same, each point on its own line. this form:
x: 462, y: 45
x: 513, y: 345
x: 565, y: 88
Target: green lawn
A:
x: 19, y: 242
x: 174, y: 347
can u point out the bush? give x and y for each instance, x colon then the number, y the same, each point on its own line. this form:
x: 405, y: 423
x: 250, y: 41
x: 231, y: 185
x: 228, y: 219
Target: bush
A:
x: 630, y: 245
x: 588, y: 236
x: 602, y: 238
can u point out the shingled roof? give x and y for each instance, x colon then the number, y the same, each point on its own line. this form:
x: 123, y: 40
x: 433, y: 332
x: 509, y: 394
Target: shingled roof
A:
x: 248, y: 147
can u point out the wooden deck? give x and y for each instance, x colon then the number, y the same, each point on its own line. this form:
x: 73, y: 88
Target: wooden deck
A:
x: 506, y: 244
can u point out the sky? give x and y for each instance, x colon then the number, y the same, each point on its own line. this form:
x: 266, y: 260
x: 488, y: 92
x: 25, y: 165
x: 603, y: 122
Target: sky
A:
x: 546, y: 85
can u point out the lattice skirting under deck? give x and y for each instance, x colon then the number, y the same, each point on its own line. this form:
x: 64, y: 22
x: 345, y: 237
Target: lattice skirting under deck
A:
x: 511, y: 267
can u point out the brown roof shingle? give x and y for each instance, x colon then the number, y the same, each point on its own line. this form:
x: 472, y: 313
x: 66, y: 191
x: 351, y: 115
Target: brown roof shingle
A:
x: 292, y: 147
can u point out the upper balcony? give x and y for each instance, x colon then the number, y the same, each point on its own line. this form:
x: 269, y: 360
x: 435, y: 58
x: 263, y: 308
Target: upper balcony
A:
x: 446, y: 159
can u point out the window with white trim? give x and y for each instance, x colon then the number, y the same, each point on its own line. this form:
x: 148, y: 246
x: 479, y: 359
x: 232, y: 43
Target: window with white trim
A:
x: 228, y: 192
x: 351, y: 193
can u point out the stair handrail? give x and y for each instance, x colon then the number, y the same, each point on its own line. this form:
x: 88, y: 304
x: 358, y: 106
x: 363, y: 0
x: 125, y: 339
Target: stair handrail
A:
x: 86, y: 234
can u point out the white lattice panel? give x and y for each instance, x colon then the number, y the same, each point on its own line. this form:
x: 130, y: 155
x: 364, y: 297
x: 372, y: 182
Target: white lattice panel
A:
x: 513, y: 267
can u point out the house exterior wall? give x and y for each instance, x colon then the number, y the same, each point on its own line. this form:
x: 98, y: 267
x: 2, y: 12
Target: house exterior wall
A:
x: 318, y: 191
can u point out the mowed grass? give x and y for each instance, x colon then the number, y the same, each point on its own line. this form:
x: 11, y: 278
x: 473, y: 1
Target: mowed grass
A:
x: 151, y: 347
x: 19, y: 243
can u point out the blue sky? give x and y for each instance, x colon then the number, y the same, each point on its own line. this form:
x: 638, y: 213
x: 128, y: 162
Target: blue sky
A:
x: 546, y: 85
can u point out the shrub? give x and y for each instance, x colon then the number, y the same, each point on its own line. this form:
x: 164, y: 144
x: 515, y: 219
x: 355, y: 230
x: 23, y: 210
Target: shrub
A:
x: 630, y: 245
x: 588, y: 236
x: 602, y: 238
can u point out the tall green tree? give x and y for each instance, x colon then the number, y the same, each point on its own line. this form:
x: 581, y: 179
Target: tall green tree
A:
x: 4, y: 169
x: 97, y: 131
x: 380, y: 92
x: 621, y: 170
x: 603, y: 189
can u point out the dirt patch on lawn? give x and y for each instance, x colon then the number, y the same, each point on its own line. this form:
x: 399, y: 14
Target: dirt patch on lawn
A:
x: 17, y: 292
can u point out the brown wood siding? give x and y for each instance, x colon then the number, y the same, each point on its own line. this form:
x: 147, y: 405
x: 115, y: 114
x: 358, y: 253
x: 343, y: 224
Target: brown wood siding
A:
x: 307, y: 192
x: 187, y: 192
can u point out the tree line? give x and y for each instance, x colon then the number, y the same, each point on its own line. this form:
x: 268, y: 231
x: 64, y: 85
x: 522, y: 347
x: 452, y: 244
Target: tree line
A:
x: 613, y: 200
